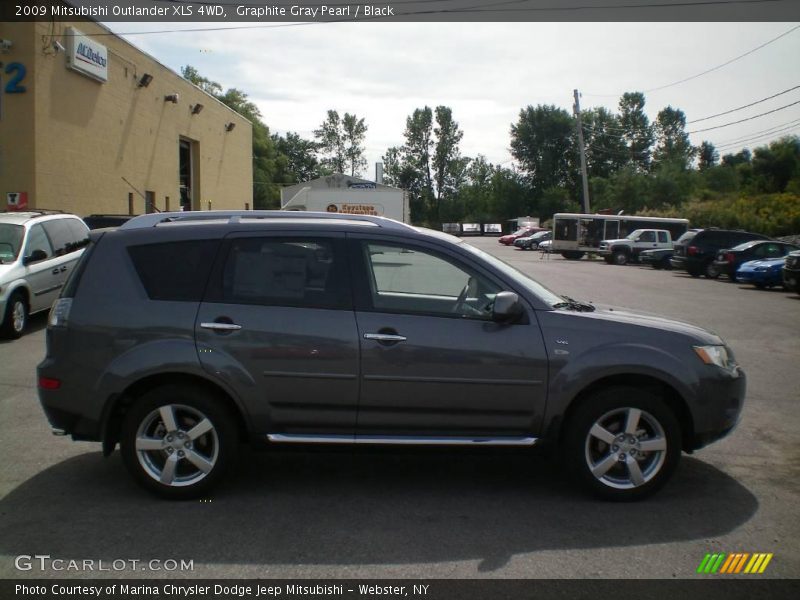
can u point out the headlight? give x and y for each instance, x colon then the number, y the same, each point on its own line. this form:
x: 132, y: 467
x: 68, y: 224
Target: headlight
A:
x: 713, y: 355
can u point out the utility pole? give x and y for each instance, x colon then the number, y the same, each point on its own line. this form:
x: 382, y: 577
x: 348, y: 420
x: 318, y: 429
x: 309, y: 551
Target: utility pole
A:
x: 577, y: 108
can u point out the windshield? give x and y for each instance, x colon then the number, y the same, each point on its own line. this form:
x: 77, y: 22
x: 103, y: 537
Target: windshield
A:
x: 744, y: 245
x: 10, y: 242
x: 634, y: 234
x: 534, y: 287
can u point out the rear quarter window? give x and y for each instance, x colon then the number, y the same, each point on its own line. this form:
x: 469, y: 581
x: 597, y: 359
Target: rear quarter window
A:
x: 176, y: 271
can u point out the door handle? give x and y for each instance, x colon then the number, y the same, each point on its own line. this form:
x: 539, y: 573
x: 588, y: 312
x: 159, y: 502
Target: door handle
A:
x: 55, y: 271
x: 221, y: 326
x: 385, y: 337
x: 62, y: 269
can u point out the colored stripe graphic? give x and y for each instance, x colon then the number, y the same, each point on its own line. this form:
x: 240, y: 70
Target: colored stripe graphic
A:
x: 734, y: 563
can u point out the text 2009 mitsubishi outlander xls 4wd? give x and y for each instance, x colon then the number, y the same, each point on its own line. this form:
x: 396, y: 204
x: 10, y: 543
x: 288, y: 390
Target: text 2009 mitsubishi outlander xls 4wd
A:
x: 181, y: 335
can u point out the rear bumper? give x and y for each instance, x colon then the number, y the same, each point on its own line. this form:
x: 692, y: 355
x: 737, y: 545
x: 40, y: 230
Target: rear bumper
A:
x: 62, y: 412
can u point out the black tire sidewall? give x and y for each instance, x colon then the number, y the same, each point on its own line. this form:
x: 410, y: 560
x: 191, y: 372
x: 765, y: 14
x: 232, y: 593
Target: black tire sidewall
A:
x: 8, y: 330
x: 591, y: 409
x: 200, y: 399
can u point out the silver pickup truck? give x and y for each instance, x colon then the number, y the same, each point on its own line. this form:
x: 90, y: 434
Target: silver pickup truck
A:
x: 627, y: 249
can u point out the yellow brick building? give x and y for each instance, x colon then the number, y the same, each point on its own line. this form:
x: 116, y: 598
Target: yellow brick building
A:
x: 91, y: 124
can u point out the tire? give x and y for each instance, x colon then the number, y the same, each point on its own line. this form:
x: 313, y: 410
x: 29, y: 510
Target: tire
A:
x: 609, y: 259
x: 666, y: 264
x: 657, y: 266
x: 572, y: 255
x: 620, y: 258
x: 201, y: 457
x: 761, y: 286
x: 15, y: 319
x: 598, y: 426
x: 711, y: 271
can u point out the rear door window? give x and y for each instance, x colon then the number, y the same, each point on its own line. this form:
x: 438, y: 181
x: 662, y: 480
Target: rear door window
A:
x: 277, y: 271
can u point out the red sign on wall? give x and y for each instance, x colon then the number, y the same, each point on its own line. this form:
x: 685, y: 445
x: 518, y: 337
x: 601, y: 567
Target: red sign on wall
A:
x: 17, y: 200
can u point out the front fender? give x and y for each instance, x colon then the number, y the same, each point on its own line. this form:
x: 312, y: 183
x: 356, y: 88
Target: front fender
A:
x: 569, y: 378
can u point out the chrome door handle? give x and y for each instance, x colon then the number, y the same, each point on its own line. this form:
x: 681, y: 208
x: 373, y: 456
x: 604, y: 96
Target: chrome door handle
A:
x: 221, y: 326
x: 384, y: 337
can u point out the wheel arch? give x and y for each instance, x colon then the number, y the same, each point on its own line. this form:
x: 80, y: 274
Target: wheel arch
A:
x: 671, y: 396
x: 119, y: 404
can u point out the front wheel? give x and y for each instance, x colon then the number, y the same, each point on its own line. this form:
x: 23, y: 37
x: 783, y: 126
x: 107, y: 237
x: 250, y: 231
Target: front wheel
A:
x: 178, y: 441
x: 620, y: 257
x: 623, y: 443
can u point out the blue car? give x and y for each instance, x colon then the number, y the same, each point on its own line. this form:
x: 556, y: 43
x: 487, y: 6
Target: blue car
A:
x: 761, y: 273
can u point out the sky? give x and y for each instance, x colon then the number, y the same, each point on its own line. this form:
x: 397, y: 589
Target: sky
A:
x: 487, y: 72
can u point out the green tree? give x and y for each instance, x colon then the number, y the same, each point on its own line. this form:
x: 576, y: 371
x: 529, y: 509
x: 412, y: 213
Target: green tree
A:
x: 774, y: 166
x: 707, y: 156
x: 636, y: 130
x: 672, y: 141
x: 331, y: 142
x: 449, y: 168
x: 542, y: 140
x: 300, y: 163
x: 208, y: 86
x: 354, y: 131
x: 606, y: 151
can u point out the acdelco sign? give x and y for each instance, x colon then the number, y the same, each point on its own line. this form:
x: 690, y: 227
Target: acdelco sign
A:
x: 86, y: 56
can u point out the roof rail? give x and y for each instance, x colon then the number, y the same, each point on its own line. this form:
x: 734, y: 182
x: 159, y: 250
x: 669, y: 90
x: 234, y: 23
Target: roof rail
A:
x: 34, y: 211
x: 235, y: 216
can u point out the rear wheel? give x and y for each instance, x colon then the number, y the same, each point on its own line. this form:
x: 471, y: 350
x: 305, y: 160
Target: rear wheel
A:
x: 178, y: 441
x: 711, y: 271
x: 623, y: 443
x: 572, y: 255
x: 621, y: 257
x: 16, y: 317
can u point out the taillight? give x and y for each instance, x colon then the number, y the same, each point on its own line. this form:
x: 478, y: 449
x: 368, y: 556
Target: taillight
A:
x: 59, y: 313
x: 48, y: 383
x: 730, y: 257
x: 692, y: 250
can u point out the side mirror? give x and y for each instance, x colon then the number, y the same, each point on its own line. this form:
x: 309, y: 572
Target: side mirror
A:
x: 506, y: 307
x: 35, y: 256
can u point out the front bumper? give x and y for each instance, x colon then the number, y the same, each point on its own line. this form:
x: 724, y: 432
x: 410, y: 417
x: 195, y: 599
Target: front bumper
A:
x: 718, y: 405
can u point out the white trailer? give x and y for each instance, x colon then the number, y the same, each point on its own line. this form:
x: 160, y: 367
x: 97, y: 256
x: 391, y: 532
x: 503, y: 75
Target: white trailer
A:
x: 345, y: 194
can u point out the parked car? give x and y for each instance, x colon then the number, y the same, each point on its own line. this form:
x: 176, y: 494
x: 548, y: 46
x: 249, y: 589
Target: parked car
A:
x: 658, y: 258
x: 508, y: 240
x: 545, y: 246
x: 531, y: 242
x: 729, y: 261
x: 100, y: 221
x: 38, y: 250
x: 791, y: 272
x: 298, y: 328
x: 763, y: 273
x: 695, y: 252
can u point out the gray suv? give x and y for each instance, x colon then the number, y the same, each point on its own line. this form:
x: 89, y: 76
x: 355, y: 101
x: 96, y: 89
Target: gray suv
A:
x: 38, y: 249
x: 181, y: 335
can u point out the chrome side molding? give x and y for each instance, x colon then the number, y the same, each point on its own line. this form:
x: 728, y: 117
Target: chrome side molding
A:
x: 291, y: 438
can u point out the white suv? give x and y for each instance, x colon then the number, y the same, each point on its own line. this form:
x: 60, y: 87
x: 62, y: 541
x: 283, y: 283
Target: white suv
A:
x: 37, y: 252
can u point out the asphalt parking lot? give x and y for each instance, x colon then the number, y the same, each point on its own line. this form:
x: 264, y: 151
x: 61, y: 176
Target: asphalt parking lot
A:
x: 434, y: 513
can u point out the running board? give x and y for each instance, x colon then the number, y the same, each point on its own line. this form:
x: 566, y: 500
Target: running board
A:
x: 291, y: 438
